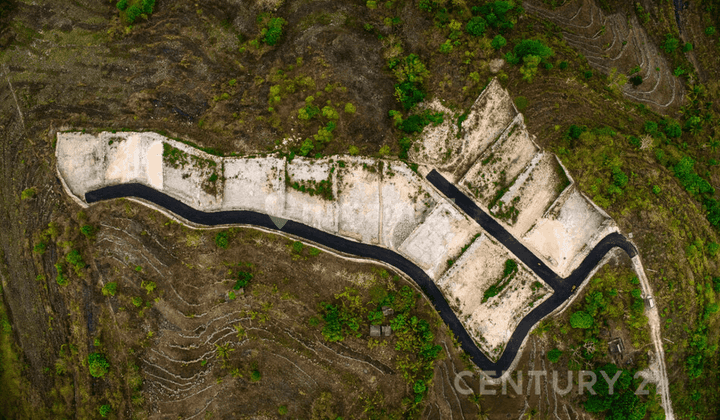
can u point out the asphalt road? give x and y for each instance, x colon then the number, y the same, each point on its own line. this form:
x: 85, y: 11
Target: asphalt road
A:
x: 562, y: 287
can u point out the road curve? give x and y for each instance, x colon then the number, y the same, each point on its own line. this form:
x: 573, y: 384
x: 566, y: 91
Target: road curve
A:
x: 562, y: 287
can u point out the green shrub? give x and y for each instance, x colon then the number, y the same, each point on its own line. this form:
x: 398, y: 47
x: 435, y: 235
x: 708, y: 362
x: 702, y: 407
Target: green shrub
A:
x: 271, y: 35
x: 409, y: 69
x: 554, y: 355
x: 589, y: 74
x: 693, y: 183
x: 306, y: 147
x: 716, y: 284
x: 98, y: 365
x: 710, y: 31
x: 39, y: 248
x: 330, y: 113
x: 563, y: 65
x: 581, y: 320
x: 28, y: 193
x: 636, y: 80
x: 371, y: 4
x: 712, y: 248
x: 132, y: 13
x: 150, y: 287
x: 498, y: 42
x: 61, y: 279
x: 122, y: 5
x: 670, y: 44
x: 620, y: 179
x: 109, y: 289
x: 656, y: 190
x: 446, y: 47
x: 672, y: 128
x: 148, y: 6
x: 221, y: 240
x: 105, y: 410
x: 651, y: 127
x: 521, y: 103
x: 87, y: 230
x: 405, y: 144
x: 532, y: 47
x: 75, y: 259
x: 255, y: 375
x: 137, y: 301
x: 243, y: 280
x: 297, y: 247
x: 498, y: 14
x: 476, y: 26
x: 282, y: 410
x: 408, y: 94
x: 353, y: 150
x: 510, y: 267
x: 687, y: 47
x: 349, y: 108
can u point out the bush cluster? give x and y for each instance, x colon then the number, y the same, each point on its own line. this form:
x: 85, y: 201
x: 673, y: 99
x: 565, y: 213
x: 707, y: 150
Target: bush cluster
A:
x: 98, y: 365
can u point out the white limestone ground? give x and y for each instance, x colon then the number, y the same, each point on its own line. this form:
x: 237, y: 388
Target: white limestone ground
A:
x: 501, y: 163
x: 568, y: 231
x: 313, y: 210
x: 533, y: 192
x: 402, y: 185
x: 491, y: 323
x: 441, y: 237
x: 266, y: 184
x: 487, y: 119
x: 255, y: 184
x: 359, y: 201
x: 190, y: 182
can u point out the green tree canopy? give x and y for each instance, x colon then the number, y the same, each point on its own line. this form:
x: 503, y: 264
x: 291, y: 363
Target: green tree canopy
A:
x: 532, y: 47
x: 582, y: 320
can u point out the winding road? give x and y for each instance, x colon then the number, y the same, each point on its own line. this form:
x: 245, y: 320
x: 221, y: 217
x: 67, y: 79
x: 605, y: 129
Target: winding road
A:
x: 563, y: 288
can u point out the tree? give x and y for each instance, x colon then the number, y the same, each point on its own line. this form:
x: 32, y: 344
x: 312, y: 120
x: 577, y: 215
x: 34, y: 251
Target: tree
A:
x: 532, y: 47
x: 221, y: 240
x: 88, y: 231
x: 105, y: 410
x: 243, y: 280
x: 498, y: 42
x: 671, y: 44
x: 408, y: 94
x: 581, y: 320
x: 476, y: 26
x: 109, y: 289
x: 554, y: 355
x: 98, y: 365
x: 271, y: 35
x: 122, y: 5
x: 497, y: 14
x: 132, y: 13
x: 672, y: 128
x: 148, y: 6
x: 530, y: 67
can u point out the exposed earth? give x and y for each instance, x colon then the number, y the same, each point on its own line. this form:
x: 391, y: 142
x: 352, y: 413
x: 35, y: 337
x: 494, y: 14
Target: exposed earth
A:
x: 119, y: 310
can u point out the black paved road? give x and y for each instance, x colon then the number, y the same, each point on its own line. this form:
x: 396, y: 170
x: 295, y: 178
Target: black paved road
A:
x: 563, y: 288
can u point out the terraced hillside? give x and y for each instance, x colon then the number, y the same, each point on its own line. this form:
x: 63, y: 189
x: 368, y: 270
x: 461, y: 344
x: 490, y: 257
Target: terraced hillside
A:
x: 204, y: 348
x: 616, y: 42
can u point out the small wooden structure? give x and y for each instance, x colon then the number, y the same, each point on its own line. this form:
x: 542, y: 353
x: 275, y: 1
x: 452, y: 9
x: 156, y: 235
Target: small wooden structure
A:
x: 387, y: 311
x: 374, y: 331
x: 386, y: 331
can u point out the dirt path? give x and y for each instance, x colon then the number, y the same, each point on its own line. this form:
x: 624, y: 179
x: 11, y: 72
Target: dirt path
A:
x: 663, y: 385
